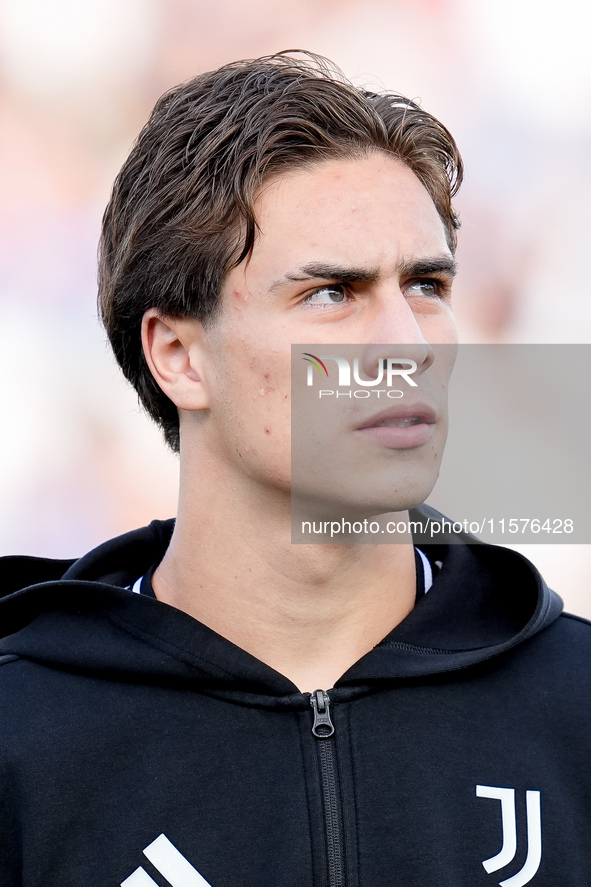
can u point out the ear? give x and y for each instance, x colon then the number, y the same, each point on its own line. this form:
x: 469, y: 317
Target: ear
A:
x: 174, y: 348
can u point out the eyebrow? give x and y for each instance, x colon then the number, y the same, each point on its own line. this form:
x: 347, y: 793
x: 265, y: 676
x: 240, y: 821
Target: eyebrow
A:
x: 327, y: 271
x: 347, y: 275
x: 431, y: 265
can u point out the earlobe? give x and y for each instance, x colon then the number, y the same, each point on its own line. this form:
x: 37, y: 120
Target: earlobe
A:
x: 174, y: 351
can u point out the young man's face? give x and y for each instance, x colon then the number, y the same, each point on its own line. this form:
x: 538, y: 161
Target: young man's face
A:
x: 338, y: 260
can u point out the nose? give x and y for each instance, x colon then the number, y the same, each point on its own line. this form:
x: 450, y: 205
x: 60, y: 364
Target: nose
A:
x: 397, y: 334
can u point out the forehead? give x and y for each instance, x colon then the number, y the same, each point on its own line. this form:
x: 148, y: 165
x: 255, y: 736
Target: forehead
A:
x: 373, y: 208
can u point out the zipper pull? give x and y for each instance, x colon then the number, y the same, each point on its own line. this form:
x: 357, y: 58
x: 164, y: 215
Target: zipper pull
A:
x: 323, y: 727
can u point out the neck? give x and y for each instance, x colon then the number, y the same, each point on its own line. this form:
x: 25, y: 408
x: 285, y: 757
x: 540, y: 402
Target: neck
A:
x: 308, y: 611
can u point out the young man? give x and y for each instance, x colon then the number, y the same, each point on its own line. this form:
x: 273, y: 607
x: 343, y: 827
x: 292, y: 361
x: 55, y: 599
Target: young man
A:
x: 162, y: 722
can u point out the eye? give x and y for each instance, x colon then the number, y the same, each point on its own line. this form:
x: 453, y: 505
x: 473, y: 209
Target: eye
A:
x: 325, y: 296
x: 429, y: 288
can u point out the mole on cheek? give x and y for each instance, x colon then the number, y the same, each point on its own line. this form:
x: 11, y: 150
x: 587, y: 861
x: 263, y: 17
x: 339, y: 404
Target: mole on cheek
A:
x: 240, y: 295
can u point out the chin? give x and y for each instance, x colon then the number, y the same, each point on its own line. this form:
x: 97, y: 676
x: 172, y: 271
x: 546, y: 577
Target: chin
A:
x: 399, y: 497
x: 355, y: 508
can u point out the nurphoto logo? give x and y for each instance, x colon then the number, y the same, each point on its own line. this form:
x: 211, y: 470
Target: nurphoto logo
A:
x: 389, y: 369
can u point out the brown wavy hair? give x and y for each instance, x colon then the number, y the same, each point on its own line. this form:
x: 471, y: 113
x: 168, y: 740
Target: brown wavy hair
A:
x: 181, y: 212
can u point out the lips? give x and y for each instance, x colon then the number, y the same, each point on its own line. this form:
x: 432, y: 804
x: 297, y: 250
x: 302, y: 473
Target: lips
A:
x: 398, y: 423
x: 401, y: 416
x: 401, y: 426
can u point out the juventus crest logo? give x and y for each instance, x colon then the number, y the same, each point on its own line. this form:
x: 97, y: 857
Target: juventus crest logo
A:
x: 509, y: 823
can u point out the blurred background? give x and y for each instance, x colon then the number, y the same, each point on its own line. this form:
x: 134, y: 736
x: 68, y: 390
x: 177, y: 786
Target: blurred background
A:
x: 511, y: 79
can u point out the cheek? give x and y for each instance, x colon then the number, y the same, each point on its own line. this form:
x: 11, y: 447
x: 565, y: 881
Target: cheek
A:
x: 450, y: 329
x: 440, y: 328
x: 252, y: 400
x: 251, y: 391
x: 269, y: 398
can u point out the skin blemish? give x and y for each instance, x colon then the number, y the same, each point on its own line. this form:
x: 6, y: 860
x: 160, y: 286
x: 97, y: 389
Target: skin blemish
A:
x: 267, y: 431
x: 261, y: 391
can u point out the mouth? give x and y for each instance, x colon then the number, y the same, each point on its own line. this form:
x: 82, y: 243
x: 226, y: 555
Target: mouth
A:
x: 401, y: 427
x: 401, y: 416
x: 402, y: 422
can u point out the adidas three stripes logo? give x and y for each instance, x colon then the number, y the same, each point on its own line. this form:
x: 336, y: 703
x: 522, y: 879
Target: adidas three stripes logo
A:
x: 171, y: 863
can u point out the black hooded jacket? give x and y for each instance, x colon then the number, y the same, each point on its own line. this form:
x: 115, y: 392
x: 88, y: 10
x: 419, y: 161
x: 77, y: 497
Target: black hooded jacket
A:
x: 140, y: 748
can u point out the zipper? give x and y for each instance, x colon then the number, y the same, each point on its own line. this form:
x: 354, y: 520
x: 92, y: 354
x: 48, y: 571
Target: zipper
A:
x: 323, y: 730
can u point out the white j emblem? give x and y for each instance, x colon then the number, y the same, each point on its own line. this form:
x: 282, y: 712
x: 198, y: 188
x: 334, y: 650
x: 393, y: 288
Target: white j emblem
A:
x: 508, y: 818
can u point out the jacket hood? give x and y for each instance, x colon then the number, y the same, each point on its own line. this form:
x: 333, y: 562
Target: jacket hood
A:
x: 80, y: 616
